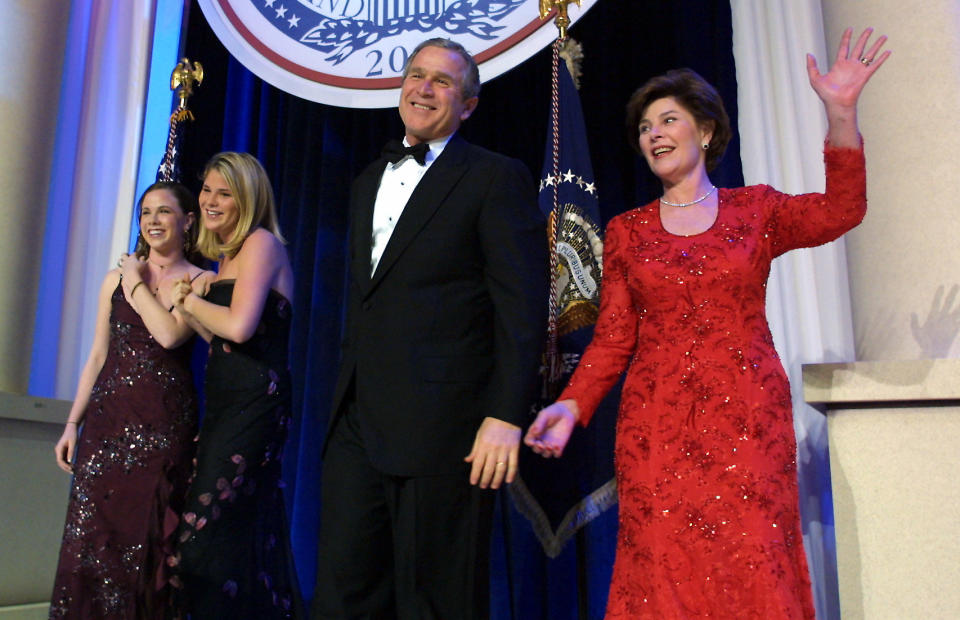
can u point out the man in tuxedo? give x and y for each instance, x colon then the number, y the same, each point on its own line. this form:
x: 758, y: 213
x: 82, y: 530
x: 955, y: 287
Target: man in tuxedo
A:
x: 445, y: 322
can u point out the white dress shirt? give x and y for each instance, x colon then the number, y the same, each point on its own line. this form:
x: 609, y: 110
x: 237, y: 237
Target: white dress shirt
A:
x: 396, y: 185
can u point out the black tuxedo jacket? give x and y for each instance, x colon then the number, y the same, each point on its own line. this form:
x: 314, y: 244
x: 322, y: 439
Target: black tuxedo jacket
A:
x: 450, y: 327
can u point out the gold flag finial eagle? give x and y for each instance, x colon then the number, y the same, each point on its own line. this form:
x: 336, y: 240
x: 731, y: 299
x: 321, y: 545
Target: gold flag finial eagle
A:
x: 182, y: 81
x: 184, y: 75
x: 562, y: 20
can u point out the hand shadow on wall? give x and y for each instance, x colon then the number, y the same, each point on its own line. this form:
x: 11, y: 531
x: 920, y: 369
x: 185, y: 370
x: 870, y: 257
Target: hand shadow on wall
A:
x: 937, y: 333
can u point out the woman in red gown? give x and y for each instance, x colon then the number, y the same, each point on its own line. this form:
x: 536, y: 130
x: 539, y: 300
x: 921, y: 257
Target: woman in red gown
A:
x: 705, y: 450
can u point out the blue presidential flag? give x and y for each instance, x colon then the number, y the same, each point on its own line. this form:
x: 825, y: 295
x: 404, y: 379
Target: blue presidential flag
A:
x: 559, y: 496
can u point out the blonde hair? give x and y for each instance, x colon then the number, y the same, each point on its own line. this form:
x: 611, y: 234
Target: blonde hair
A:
x: 253, y: 197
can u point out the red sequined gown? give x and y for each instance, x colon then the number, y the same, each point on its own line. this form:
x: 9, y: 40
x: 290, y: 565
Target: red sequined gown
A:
x: 705, y: 449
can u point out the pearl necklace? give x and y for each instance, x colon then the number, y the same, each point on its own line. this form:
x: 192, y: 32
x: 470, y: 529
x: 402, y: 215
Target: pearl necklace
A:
x: 663, y: 200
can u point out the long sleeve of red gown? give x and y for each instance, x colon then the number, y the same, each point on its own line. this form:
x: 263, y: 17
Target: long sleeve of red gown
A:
x: 788, y: 222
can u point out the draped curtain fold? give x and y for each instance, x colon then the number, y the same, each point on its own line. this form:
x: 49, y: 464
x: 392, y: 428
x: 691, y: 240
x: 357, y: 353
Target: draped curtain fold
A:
x: 782, y: 128
x: 92, y: 189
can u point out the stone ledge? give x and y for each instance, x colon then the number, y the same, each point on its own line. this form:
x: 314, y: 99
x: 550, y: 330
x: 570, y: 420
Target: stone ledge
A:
x: 33, y: 408
x: 34, y: 611
x: 907, y: 381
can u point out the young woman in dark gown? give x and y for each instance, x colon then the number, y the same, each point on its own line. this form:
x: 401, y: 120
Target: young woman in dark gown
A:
x: 137, y: 404
x: 233, y: 558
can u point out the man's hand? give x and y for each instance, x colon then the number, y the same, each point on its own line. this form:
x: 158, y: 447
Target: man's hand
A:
x: 495, y: 453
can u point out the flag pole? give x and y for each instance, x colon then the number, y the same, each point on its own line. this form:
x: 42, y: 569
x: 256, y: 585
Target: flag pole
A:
x: 560, y: 496
x: 182, y: 80
x: 552, y: 358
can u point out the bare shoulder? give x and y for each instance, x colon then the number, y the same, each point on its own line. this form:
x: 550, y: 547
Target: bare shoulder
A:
x: 110, y: 281
x: 261, y: 243
x: 262, y: 252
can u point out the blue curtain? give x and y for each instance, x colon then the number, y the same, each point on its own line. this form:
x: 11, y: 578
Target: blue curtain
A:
x: 312, y: 153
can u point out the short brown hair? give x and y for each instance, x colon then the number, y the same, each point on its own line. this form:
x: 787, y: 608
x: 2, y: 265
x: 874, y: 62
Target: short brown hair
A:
x: 470, y: 81
x: 696, y: 95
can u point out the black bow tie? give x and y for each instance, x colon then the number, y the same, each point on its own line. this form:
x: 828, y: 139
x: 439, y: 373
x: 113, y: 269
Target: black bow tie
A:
x: 395, y: 151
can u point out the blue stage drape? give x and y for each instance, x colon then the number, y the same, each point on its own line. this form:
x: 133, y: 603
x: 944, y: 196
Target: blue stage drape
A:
x: 313, y: 151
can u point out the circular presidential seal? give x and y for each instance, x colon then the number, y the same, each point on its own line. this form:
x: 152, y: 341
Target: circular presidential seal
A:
x: 350, y: 53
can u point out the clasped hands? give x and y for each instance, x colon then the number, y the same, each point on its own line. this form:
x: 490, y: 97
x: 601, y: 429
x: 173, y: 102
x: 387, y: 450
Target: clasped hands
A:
x: 181, y: 289
x: 131, y: 274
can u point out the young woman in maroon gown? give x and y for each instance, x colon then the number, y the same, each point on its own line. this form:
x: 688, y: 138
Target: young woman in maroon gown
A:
x: 705, y: 450
x: 233, y: 557
x: 137, y: 405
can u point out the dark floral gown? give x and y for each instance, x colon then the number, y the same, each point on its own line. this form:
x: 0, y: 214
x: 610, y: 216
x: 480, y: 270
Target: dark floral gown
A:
x: 130, y: 475
x: 234, y: 558
x: 705, y: 448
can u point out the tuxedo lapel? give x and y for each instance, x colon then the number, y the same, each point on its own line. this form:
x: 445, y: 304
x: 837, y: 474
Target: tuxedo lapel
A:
x: 362, y: 224
x: 433, y: 188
